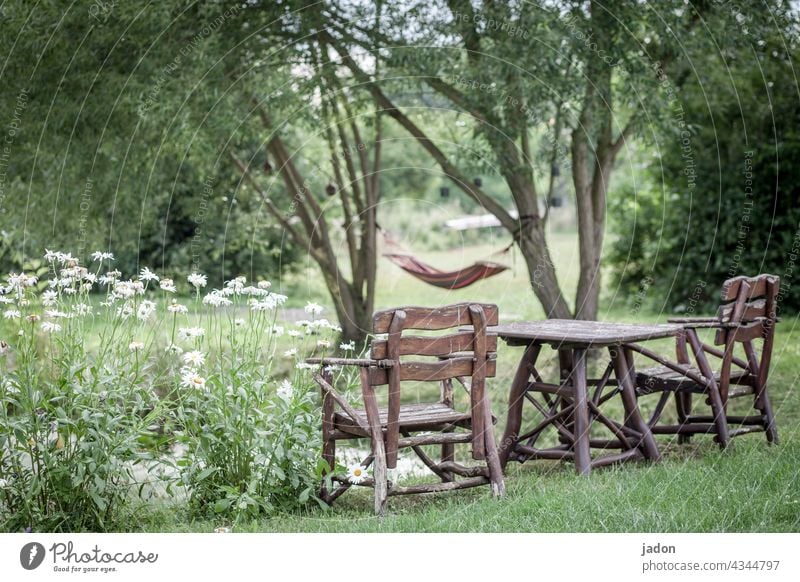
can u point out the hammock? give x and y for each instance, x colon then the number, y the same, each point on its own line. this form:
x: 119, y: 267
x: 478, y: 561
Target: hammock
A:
x: 446, y: 279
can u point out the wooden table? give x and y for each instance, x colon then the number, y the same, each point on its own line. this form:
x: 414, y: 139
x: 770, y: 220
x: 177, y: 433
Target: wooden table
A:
x: 567, y: 405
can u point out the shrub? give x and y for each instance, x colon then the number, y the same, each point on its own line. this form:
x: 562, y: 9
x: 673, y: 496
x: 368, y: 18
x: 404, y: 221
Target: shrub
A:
x: 72, y: 422
x: 100, y: 374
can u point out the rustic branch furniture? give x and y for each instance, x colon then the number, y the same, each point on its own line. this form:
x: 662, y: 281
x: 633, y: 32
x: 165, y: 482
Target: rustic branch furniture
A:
x: 746, y: 316
x: 567, y: 405
x: 468, y: 357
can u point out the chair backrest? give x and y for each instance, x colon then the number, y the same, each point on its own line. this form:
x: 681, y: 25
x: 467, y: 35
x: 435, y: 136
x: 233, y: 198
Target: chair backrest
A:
x: 751, y: 303
x: 456, y: 351
x: 454, y: 355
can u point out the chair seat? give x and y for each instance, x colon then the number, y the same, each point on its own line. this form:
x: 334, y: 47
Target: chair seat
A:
x: 424, y: 416
x: 661, y: 378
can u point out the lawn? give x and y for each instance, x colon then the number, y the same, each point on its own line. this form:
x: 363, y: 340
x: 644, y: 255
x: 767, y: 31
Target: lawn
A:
x: 751, y: 487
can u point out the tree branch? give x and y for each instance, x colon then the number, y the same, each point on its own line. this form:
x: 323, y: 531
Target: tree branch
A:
x: 449, y: 169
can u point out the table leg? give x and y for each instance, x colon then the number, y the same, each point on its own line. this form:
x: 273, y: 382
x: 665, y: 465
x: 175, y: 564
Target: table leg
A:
x: 623, y: 367
x: 583, y: 458
x: 566, y: 363
x: 519, y: 388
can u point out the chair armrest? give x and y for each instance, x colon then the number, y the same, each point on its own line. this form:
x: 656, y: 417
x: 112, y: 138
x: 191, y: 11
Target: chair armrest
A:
x: 701, y: 322
x: 359, y: 362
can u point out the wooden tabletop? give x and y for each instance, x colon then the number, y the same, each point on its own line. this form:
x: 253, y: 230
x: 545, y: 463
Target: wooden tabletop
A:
x: 581, y: 333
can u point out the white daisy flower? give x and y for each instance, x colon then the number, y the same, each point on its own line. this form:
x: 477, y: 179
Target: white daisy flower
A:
x: 238, y: 322
x: 136, y: 346
x: 56, y: 314
x: 173, y: 349
x: 294, y: 333
x: 216, y: 299
x: 53, y: 256
x: 277, y: 330
x: 191, y: 332
x: 285, y: 390
x: 110, y: 277
x: 193, y: 380
x: 290, y: 353
x: 6, y: 300
x: 176, y: 307
x: 236, y: 285
x: 145, y: 310
x: 125, y: 289
x: 50, y: 327
x: 356, y: 474
x: 350, y: 346
x: 12, y: 314
x: 147, y: 275
x: 194, y: 359
x: 266, y: 304
x: 49, y: 298
x: 304, y: 366
x: 101, y: 256
x: 198, y: 280
x: 323, y: 343
x: 3, y: 347
x: 125, y: 311
x: 168, y: 285
x: 313, y: 308
x: 264, y: 284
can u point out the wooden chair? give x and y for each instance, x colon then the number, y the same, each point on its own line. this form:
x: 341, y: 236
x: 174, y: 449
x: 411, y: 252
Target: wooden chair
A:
x: 747, y: 315
x: 465, y: 356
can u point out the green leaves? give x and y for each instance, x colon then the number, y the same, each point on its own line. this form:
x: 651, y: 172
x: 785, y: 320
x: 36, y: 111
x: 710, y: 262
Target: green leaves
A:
x: 252, y: 456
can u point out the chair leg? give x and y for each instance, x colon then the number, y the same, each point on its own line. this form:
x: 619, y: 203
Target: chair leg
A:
x: 763, y: 404
x: 448, y: 455
x: 683, y: 406
x: 328, y: 444
x: 492, y: 456
x: 379, y: 476
x: 329, y: 454
x: 448, y: 449
x: 720, y: 419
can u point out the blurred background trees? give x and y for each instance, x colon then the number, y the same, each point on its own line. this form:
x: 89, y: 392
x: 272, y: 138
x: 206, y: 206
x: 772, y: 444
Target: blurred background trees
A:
x: 718, y: 195
x: 142, y: 131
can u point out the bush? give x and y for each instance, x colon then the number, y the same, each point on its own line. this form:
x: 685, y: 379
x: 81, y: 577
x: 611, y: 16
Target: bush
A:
x: 73, y: 422
x: 92, y: 385
x: 721, y: 199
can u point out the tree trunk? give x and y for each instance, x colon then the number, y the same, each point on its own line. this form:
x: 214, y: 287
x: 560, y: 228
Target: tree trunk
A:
x: 351, y: 309
x: 533, y: 247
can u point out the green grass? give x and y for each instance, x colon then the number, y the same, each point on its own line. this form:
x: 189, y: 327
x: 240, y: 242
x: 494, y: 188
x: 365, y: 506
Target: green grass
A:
x: 697, y: 489
x: 752, y: 487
